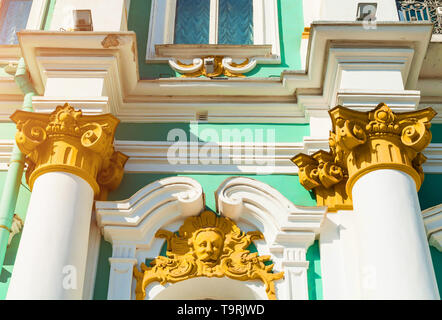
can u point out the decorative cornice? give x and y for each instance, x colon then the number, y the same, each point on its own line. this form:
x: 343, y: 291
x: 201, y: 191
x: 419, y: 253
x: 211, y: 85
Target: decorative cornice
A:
x: 65, y: 140
x: 380, y: 139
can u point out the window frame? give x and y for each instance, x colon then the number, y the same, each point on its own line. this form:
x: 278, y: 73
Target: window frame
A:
x: 265, y: 29
x: 4, y: 6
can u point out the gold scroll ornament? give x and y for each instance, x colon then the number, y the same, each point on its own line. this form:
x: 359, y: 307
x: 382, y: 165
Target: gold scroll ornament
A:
x: 218, y: 69
x: 207, y: 246
x: 68, y: 141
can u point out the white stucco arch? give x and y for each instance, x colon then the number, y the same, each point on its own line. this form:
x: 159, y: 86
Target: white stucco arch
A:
x: 130, y: 226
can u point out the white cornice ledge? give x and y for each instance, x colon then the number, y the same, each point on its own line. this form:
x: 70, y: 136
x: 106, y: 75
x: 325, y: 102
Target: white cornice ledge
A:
x: 433, y: 225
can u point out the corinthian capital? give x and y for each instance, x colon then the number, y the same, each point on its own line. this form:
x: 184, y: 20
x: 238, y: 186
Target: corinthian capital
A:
x: 65, y: 140
x: 366, y: 141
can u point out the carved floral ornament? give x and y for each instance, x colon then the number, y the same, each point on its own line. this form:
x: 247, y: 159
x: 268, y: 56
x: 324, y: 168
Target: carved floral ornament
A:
x: 361, y: 142
x: 65, y: 140
x: 207, y: 246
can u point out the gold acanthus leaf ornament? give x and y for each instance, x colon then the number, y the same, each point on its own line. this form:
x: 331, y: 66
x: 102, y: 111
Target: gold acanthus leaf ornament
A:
x: 207, y: 246
x: 380, y: 139
x: 319, y: 172
x: 66, y: 140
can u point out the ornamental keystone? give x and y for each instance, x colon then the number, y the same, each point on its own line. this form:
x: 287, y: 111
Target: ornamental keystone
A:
x: 67, y: 141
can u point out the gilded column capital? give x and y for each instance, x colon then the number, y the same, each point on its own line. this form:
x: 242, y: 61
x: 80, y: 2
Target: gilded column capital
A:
x: 320, y: 173
x: 363, y: 142
x: 68, y: 141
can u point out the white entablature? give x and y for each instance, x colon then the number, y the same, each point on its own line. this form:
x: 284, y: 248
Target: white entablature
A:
x: 130, y: 226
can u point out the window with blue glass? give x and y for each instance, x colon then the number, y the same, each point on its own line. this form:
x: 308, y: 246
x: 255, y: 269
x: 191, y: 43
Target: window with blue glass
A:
x: 214, y: 22
x: 14, y: 16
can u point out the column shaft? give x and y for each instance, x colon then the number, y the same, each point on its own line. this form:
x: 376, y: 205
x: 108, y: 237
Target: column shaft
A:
x: 51, y: 259
x: 395, y: 261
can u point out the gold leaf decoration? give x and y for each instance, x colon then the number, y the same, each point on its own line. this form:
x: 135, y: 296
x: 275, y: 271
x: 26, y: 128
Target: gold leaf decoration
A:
x: 207, y: 246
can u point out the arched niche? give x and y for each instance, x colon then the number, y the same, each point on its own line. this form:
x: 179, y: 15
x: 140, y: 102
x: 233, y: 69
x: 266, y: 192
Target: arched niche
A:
x: 130, y: 226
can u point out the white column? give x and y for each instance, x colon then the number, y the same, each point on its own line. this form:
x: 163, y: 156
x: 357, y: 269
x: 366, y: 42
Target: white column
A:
x: 51, y: 258
x: 395, y: 261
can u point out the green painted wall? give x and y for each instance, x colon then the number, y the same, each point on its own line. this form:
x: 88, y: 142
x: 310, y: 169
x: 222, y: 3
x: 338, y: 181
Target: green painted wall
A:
x: 291, y: 26
x: 430, y: 193
x: 159, y: 131
x: 436, y: 256
x: 314, y: 275
x: 436, y: 131
x: 7, y: 130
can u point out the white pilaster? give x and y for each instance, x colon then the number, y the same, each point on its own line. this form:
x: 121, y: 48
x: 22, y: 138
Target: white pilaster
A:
x: 394, y: 256
x: 295, y: 272
x: 51, y: 259
x: 121, y: 270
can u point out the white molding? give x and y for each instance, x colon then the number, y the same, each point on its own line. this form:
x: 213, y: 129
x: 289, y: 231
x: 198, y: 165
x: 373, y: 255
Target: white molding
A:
x: 159, y: 202
x: 92, y: 259
x: 433, y: 225
x: 89, y: 106
x: 134, y: 100
x: 257, y: 203
x: 151, y: 157
x: 37, y: 14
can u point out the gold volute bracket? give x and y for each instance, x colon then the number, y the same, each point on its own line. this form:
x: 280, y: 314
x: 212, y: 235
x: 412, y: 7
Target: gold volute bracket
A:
x: 207, y: 246
x: 326, y: 178
x: 68, y: 141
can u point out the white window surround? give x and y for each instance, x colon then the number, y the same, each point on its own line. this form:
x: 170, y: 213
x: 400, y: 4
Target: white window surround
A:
x: 266, y: 31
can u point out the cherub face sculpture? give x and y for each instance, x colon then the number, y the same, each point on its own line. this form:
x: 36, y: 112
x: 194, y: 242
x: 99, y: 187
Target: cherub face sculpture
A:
x: 208, y: 245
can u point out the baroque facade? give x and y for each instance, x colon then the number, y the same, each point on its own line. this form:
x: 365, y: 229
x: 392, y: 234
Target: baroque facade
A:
x: 196, y: 149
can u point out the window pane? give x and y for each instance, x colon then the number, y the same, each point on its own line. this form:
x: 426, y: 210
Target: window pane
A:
x: 235, y: 22
x: 192, y: 22
x: 14, y: 17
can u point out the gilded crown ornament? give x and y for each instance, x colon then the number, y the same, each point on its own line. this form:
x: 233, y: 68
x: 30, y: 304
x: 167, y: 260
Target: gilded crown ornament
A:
x: 361, y: 142
x: 207, y: 246
x: 68, y: 141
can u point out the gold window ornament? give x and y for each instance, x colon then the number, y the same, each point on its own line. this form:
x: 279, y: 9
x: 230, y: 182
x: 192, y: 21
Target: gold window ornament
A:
x: 207, y: 246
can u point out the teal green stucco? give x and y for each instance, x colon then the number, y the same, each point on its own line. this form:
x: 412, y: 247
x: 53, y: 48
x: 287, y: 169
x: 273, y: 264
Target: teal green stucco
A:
x: 430, y: 193
x: 159, y: 131
x: 436, y: 256
x: 436, y: 131
x: 314, y: 275
x: 291, y: 26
